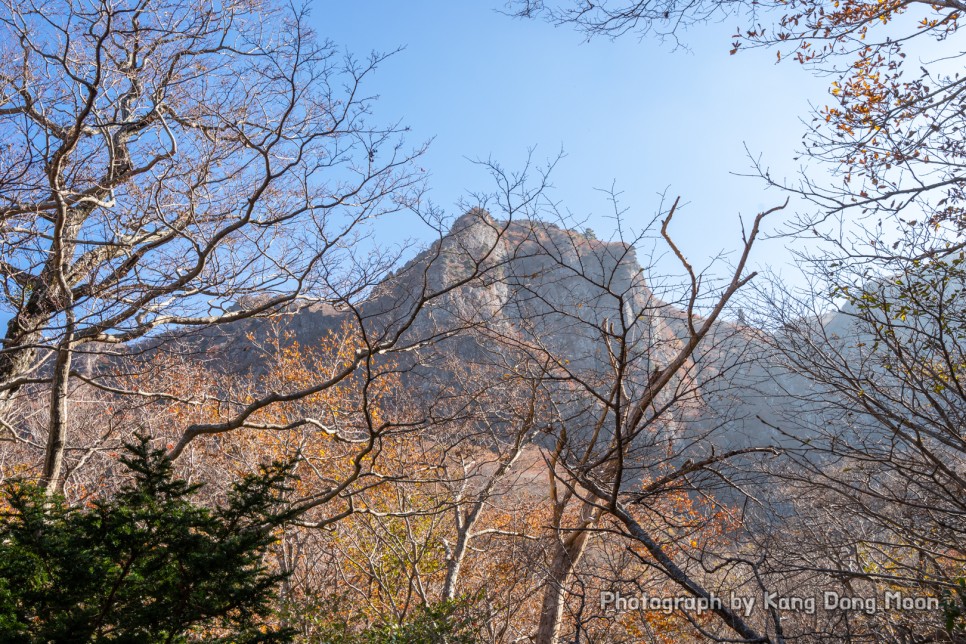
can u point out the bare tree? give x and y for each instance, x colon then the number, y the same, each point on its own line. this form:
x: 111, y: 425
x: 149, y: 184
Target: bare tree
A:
x: 878, y: 432
x: 664, y: 19
x: 623, y: 373
x: 162, y: 162
x: 873, y: 388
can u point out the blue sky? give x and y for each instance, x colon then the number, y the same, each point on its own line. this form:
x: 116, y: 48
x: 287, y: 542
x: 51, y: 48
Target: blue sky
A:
x: 636, y: 114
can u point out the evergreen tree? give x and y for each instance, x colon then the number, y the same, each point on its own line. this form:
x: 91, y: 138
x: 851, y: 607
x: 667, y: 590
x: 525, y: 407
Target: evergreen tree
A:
x: 147, y: 565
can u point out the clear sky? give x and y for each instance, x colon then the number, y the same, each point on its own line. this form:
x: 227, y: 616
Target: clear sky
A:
x: 636, y: 114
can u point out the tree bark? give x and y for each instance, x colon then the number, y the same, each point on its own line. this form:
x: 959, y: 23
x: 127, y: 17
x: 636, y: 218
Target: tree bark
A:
x: 566, y: 558
x: 57, y: 427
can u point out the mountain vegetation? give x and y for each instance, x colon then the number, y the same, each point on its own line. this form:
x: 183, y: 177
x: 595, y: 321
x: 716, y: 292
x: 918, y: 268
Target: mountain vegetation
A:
x: 227, y: 414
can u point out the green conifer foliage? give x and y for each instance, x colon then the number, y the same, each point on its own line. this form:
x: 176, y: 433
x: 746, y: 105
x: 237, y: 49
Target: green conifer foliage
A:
x: 147, y: 565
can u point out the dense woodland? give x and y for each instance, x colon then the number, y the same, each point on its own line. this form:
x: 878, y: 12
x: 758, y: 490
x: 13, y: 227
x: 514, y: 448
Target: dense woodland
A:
x: 228, y: 412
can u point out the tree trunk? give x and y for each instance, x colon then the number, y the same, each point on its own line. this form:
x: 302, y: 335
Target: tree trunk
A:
x: 454, y: 564
x: 57, y: 427
x: 18, y: 356
x: 565, y: 560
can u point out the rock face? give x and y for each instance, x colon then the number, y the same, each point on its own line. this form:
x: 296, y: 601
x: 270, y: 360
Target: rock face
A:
x: 501, y: 292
